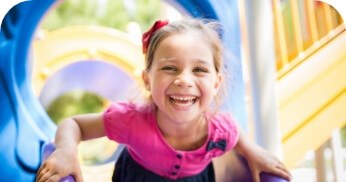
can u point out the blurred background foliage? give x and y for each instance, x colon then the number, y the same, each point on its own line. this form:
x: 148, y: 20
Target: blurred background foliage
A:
x: 75, y: 102
x: 343, y: 136
x: 110, y: 13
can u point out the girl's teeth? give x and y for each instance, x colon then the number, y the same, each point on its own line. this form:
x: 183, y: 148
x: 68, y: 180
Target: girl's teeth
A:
x: 183, y: 101
x: 183, y: 98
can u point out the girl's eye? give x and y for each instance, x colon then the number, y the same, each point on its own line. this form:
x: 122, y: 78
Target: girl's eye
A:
x: 200, y: 70
x: 169, y: 68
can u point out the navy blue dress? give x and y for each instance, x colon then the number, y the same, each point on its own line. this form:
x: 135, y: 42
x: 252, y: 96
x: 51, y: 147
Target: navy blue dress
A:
x: 128, y: 170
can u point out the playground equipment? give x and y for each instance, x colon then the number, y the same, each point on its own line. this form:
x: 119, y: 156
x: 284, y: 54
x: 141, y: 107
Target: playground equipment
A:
x: 24, y: 125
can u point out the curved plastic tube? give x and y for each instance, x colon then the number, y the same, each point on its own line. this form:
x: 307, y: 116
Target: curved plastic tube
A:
x: 266, y: 177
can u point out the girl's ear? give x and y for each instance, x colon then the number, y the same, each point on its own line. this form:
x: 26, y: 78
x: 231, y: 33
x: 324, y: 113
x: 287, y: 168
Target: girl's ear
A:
x: 218, y: 83
x: 145, y: 79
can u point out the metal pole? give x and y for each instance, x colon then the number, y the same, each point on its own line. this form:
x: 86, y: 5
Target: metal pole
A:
x: 258, y: 52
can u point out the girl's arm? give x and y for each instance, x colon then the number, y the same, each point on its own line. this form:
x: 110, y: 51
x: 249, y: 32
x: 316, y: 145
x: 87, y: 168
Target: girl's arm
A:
x: 260, y: 160
x: 64, y: 160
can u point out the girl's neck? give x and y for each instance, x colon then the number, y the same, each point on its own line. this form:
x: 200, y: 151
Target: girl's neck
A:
x: 187, y: 136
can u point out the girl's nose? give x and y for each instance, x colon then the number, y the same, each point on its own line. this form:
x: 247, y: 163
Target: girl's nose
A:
x: 184, y: 80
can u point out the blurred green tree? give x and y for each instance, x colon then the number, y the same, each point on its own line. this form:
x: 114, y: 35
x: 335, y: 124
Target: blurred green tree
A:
x: 75, y: 102
x: 110, y: 13
x: 343, y: 136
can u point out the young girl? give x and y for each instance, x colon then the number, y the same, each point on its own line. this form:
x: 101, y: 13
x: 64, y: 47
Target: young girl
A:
x: 176, y: 135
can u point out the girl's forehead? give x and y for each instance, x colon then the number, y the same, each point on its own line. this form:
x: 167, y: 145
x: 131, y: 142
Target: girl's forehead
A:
x: 188, y: 33
x: 185, y: 40
x: 184, y: 45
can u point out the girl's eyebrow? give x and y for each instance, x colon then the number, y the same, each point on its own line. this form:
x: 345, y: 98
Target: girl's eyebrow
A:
x: 201, y: 61
x: 173, y: 60
x: 166, y: 60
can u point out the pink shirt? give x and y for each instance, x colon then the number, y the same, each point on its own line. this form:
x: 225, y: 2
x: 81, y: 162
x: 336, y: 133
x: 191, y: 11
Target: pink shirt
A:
x: 137, y: 128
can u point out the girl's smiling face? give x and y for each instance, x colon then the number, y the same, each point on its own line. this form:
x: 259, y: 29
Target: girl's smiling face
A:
x: 182, y: 79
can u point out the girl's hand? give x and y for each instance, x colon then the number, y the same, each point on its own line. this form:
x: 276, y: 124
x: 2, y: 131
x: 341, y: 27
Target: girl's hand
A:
x: 61, y: 163
x: 64, y: 160
x: 262, y: 160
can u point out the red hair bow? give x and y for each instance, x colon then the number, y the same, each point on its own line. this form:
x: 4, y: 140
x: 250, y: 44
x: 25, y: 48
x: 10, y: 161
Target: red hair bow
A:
x: 147, y: 35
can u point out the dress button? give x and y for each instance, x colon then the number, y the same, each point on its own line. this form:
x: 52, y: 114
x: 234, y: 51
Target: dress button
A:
x: 179, y: 156
x: 173, y: 173
x: 177, y: 167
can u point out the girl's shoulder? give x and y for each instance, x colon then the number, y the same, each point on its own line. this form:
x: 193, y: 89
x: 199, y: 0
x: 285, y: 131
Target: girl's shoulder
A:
x: 223, y: 128
x: 222, y: 121
x: 126, y: 107
x: 221, y: 117
x: 126, y: 111
x: 123, y: 118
